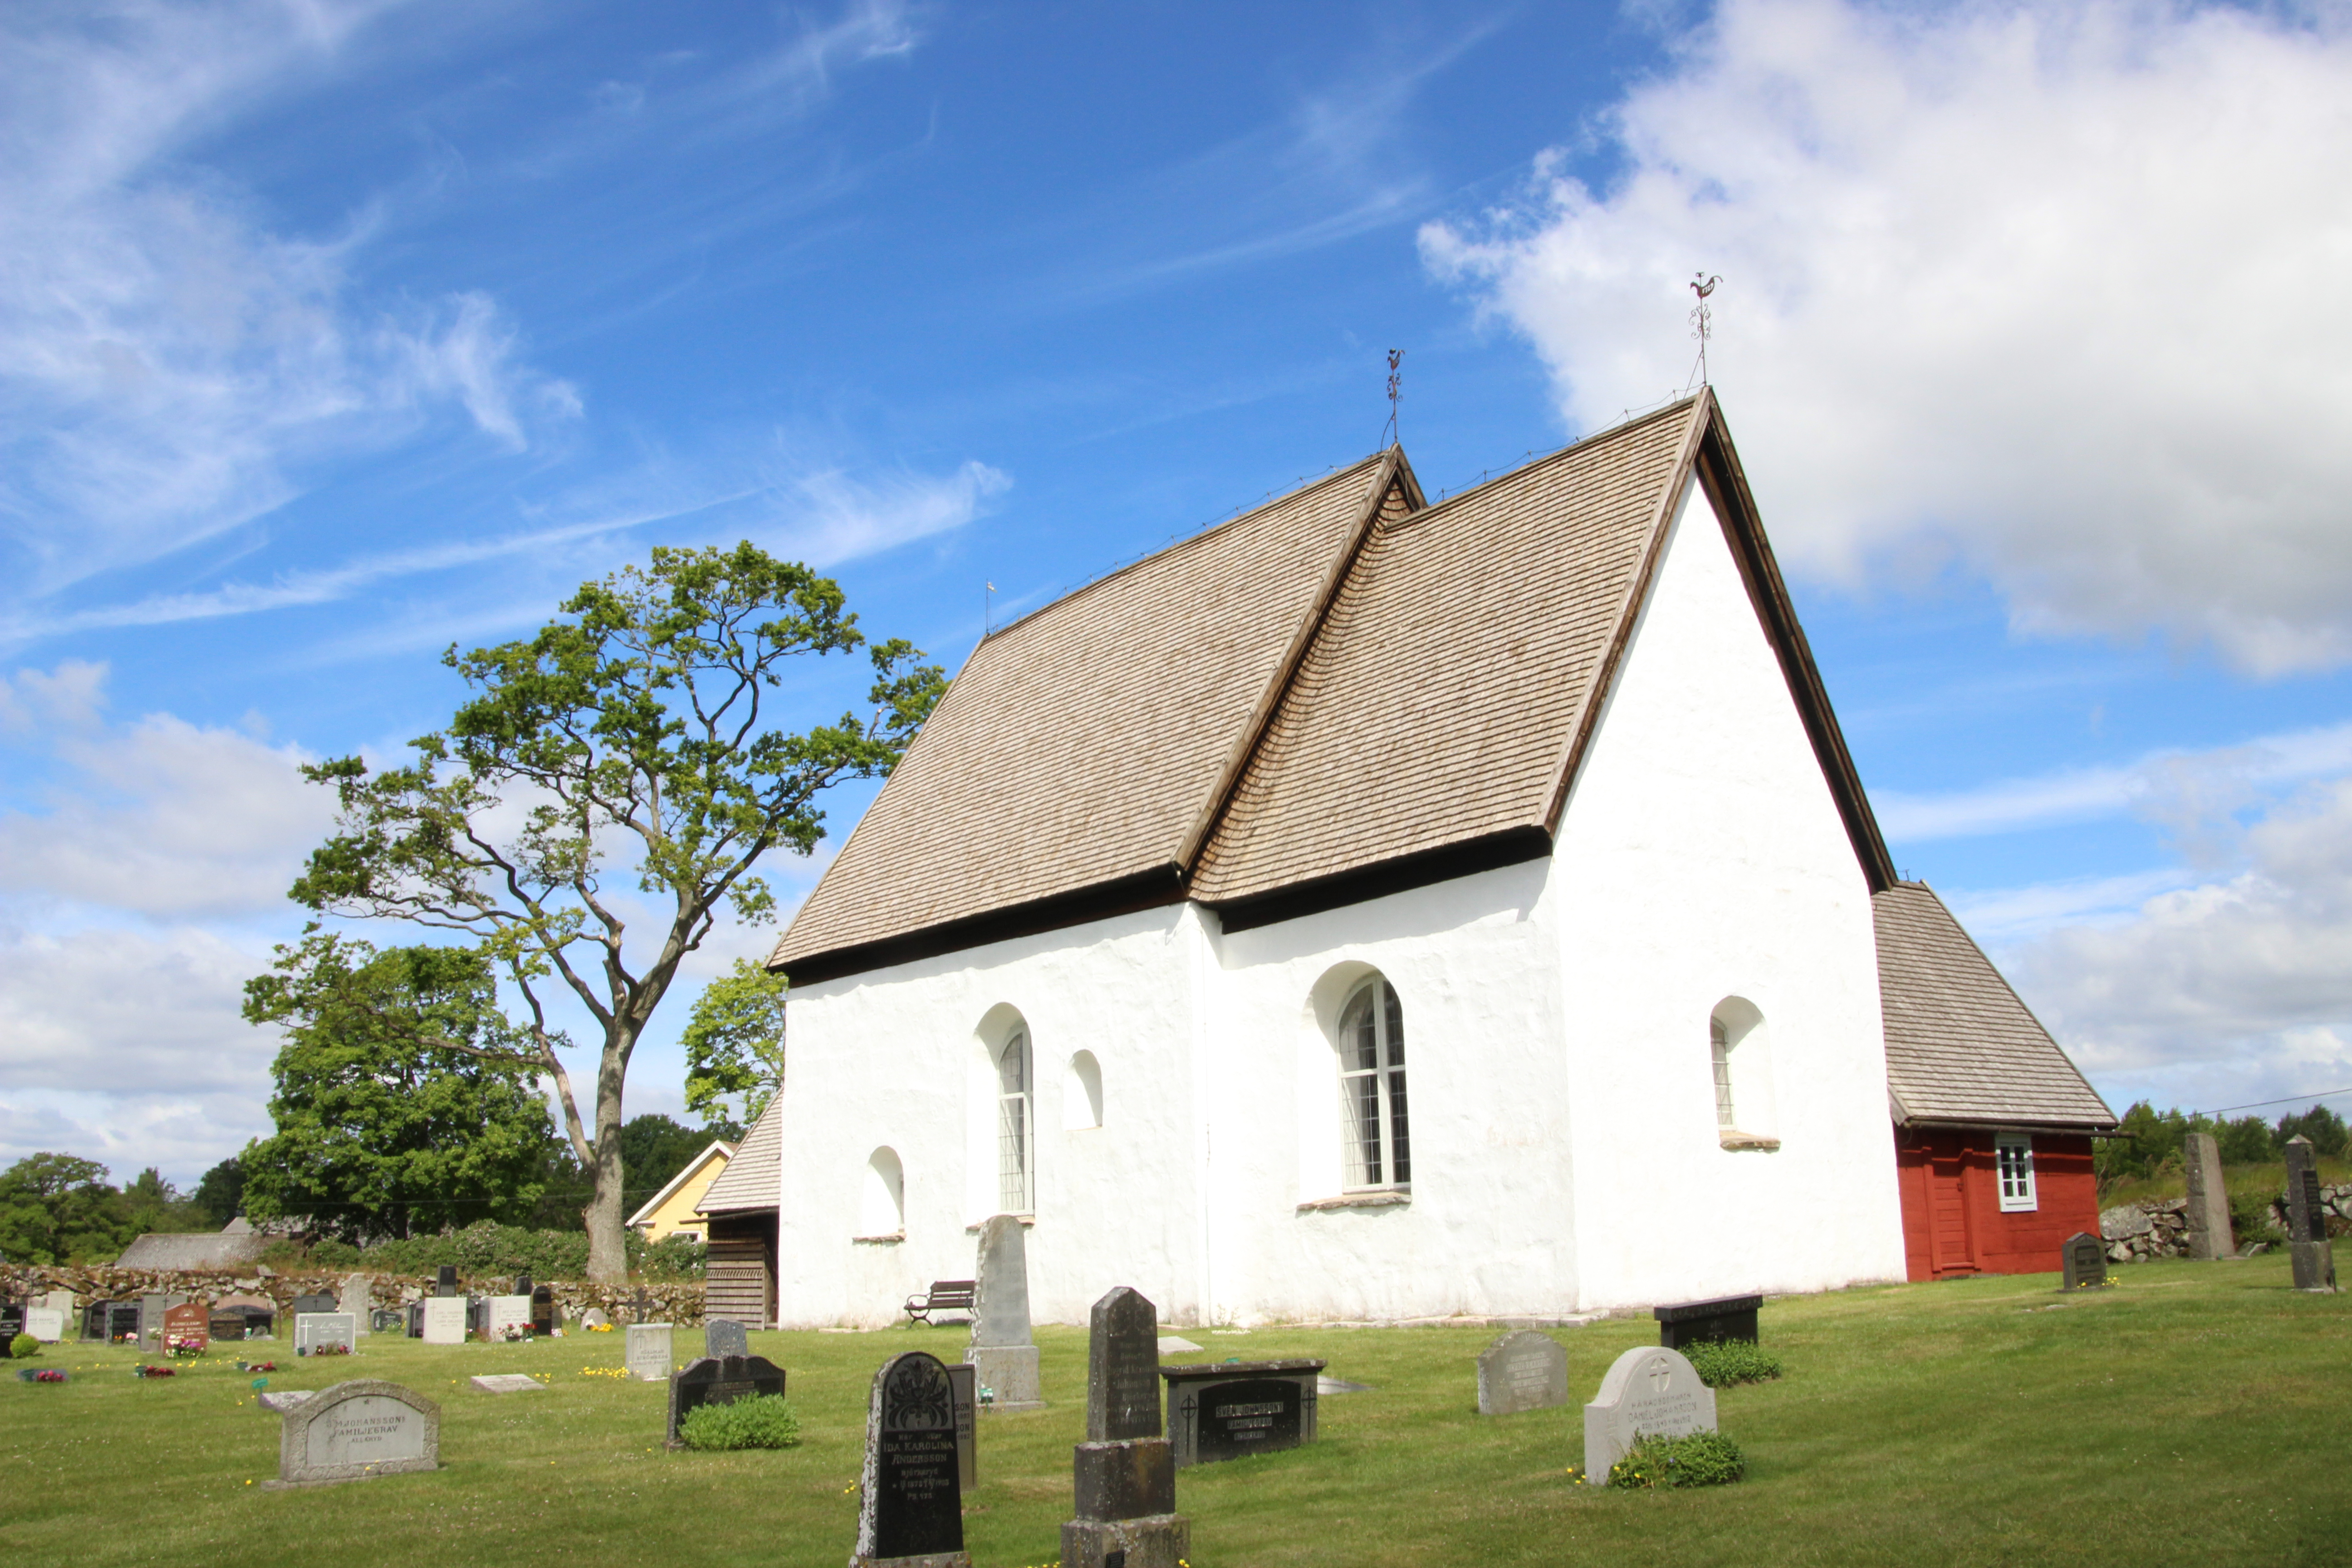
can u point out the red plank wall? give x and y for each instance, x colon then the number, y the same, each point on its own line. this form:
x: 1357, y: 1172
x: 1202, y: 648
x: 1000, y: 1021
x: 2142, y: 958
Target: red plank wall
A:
x: 1952, y: 1222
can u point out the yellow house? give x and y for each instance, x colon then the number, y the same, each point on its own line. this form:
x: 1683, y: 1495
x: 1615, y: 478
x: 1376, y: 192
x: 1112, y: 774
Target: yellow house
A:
x: 671, y: 1210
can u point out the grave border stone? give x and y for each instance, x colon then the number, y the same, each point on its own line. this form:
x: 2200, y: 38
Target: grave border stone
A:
x: 293, y: 1441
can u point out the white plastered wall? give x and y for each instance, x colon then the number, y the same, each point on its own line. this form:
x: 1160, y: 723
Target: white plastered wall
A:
x: 1701, y: 856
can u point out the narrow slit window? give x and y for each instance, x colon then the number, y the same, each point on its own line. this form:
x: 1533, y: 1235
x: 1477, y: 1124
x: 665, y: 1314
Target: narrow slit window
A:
x: 1719, y: 1047
x: 1371, y: 1089
x: 1014, y: 1140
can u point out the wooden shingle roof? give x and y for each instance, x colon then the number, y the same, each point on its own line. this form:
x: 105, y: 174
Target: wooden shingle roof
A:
x: 750, y: 1181
x: 1962, y: 1047
x: 1344, y: 692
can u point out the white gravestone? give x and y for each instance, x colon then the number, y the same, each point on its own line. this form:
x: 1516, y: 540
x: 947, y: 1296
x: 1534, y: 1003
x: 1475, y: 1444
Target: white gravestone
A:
x: 314, y: 1330
x: 648, y: 1352
x: 444, y: 1319
x: 357, y: 1431
x: 1650, y: 1391
x: 1522, y: 1371
x: 45, y: 1324
x: 508, y: 1383
x: 359, y: 1300
x: 510, y: 1319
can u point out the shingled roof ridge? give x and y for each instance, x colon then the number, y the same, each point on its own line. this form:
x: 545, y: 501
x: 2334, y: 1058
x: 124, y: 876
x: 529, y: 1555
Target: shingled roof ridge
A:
x: 1371, y: 461
x: 1579, y: 449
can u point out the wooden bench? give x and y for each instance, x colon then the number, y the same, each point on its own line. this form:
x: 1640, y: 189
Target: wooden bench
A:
x: 944, y: 1296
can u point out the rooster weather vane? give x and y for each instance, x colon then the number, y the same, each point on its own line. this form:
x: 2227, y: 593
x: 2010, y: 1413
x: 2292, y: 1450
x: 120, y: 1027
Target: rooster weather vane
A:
x: 1702, y: 318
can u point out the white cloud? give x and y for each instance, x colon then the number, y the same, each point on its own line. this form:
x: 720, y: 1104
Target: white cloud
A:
x: 2040, y: 285
x: 168, y: 364
x: 840, y: 517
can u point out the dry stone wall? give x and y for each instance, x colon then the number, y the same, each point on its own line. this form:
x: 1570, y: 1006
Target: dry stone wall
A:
x: 2158, y: 1227
x: 674, y: 1301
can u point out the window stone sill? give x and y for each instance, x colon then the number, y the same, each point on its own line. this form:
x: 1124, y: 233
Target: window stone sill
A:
x: 893, y: 1239
x: 1737, y: 1141
x: 1387, y: 1200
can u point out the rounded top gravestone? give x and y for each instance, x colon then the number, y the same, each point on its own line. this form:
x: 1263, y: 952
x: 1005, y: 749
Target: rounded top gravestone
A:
x: 1649, y: 1391
x: 1527, y: 1370
x: 913, y: 1507
x: 358, y: 1430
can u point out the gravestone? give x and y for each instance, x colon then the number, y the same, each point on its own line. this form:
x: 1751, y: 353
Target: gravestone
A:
x: 1125, y: 1472
x: 712, y: 1380
x: 1222, y: 1411
x: 648, y: 1354
x: 966, y: 1383
x: 1647, y: 1392
x: 542, y: 1309
x: 2313, y: 1253
x: 723, y: 1337
x: 356, y: 1431
x: 281, y: 1403
x: 358, y: 1298
x: 2209, y: 1205
x: 315, y: 1333
x: 311, y: 1301
x: 508, y: 1383
x: 2083, y: 1262
x: 45, y: 1324
x: 152, y: 1308
x: 594, y: 1318
x: 1690, y: 1323
x: 388, y: 1321
x: 12, y: 1320
x: 910, y: 1514
x: 1002, y: 1353
x: 508, y: 1318
x: 255, y: 1317
x: 446, y: 1282
x: 188, y: 1326
x: 445, y: 1320
x: 1522, y: 1371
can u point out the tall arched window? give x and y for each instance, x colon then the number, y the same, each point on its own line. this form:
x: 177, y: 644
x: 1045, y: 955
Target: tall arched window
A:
x: 1720, y: 1045
x: 1371, y: 1087
x: 1013, y: 1125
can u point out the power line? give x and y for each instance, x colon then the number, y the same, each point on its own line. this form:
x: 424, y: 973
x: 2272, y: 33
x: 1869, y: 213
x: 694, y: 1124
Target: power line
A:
x: 2258, y: 1104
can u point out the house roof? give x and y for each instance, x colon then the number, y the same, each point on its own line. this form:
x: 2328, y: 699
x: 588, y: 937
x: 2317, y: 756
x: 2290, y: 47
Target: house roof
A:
x: 1961, y: 1048
x: 752, y: 1170
x: 719, y: 1149
x: 1341, y: 693
x: 196, y: 1249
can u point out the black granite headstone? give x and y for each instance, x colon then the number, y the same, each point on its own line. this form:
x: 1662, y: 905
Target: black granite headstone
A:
x: 542, y: 1309
x: 2082, y: 1261
x: 446, y: 1284
x: 720, y: 1380
x: 1725, y: 1318
x: 12, y: 1320
x: 1222, y: 1411
x: 913, y: 1506
x: 315, y: 1301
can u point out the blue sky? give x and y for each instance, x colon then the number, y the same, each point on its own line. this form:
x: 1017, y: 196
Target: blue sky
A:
x: 336, y: 332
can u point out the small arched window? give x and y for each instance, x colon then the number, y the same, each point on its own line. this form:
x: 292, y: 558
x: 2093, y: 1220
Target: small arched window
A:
x: 1719, y: 1047
x: 1013, y: 1139
x: 1371, y: 1087
x: 1082, y: 1103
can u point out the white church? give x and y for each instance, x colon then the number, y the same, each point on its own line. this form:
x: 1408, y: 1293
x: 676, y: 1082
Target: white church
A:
x: 1363, y: 909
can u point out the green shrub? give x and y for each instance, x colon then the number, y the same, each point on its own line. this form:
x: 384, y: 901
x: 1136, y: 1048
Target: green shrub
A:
x: 1701, y: 1459
x: 24, y: 1345
x: 760, y: 1421
x: 487, y: 1249
x: 2251, y: 1217
x: 1722, y: 1363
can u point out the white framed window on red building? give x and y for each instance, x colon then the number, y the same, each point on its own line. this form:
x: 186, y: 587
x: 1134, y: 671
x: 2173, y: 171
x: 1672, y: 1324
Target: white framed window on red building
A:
x: 2013, y: 1161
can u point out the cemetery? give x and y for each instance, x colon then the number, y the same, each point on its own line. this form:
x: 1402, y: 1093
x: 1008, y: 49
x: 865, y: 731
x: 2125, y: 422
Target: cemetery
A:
x: 2183, y: 1411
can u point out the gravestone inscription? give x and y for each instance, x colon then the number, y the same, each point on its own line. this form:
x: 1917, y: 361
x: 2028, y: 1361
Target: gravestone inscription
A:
x: 1124, y: 1474
x: 444, y: 1320
x: 45, y: 1324
x: 1002, y: 1351
x: 325, y: 1334
x: 188, y: 1326
x: 509, y: 1320
x: 2083, y: 1262
x: 1647, y: 1393
x: 911, y: 1511
x: 715, y: 1380
x: 358, y: 1430
x: 2313, y: 1255
x: 1222, y: 1411
x: 723, y: 1337
x: 1523, y: 1371
x: 648, y: 1354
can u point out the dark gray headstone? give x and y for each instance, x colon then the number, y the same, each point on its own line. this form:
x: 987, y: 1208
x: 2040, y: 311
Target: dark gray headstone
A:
x: 2209, y: 1205
x: 2313, y: 1255
x: 912, y: 1505
x: 725, y: 1337
x: 1725, y: 1318
x: 966, y: 1379
x: 1523, y: 1371
x: 1123, y: 1369
x: 710, y: 1380
x: 2082, y: 1261
x: 1001, y: 1302
x: 1222, y: 1411
x: 447, y: 1284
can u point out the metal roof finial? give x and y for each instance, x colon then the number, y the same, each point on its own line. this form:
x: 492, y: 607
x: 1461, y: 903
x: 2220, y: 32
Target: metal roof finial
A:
x: 1702, y: 321
x: 1396, y: 389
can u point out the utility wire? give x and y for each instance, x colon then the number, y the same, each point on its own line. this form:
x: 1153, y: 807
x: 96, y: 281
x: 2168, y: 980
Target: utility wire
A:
x: 2257, y: 1105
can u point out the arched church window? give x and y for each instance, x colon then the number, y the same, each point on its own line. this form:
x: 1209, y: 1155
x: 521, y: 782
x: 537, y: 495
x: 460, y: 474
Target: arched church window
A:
x: 1015, y: 1153
x: 1719, y: 1047
x: 1371, y: 1087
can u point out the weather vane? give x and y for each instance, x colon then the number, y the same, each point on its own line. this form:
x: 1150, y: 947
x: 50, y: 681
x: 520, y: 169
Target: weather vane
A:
x: 1396, y: 390
x: 1702, y: 318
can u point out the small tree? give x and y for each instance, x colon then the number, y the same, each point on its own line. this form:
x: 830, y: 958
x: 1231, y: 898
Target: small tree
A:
x: 734, y: 1041
x: 405, y: 1100
x: 636, y: 733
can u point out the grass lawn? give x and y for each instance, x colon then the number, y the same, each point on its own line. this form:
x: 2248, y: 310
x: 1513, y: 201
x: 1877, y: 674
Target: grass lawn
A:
x: 2196, y: 1414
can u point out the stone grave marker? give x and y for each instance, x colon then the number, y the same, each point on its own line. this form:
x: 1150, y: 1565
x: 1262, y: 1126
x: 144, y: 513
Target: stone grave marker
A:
x: 508, y: 1383
x: 152, y: 1308
x: 1223, y: 1410
x: 723, y: 1337
x: 1647, y: 1393
x: 542, y: 1309
x: 358, y: 1298
x: 2314, y: 1256
x: 188, y: 1326
x: 911, y: 1511
x: 965, y: 1379
x: 2209, y: 1205
x: 12, y: 1319
x: 45, y: 1324
x: 281, y: 1403
x: 1523, y: 1371
x: 595, y: 1318
x: 311, y: 1301
x: 710, y: 1380
x: 1124, y: 1474
x: 1002, y: 1352
x: 1724, y: 1318
x: 510, y: 1319
x: 357, y: 1431
x: 445, y: 1320
x: 648, y: 1354
x: 2083, y: 1262
x: 325, y: 1333
x: 1176, y: 1345
x: 446, y: 1283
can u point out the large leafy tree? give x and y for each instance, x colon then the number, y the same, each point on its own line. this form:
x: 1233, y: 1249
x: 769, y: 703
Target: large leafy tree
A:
x: 734, y: 1041
x: 56, y: 1208
x: 626, y: 748
x: 406, y: 1101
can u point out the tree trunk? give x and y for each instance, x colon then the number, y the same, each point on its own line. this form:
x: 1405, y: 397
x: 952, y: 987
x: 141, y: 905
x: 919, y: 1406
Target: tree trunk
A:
x: 608, y: 1250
